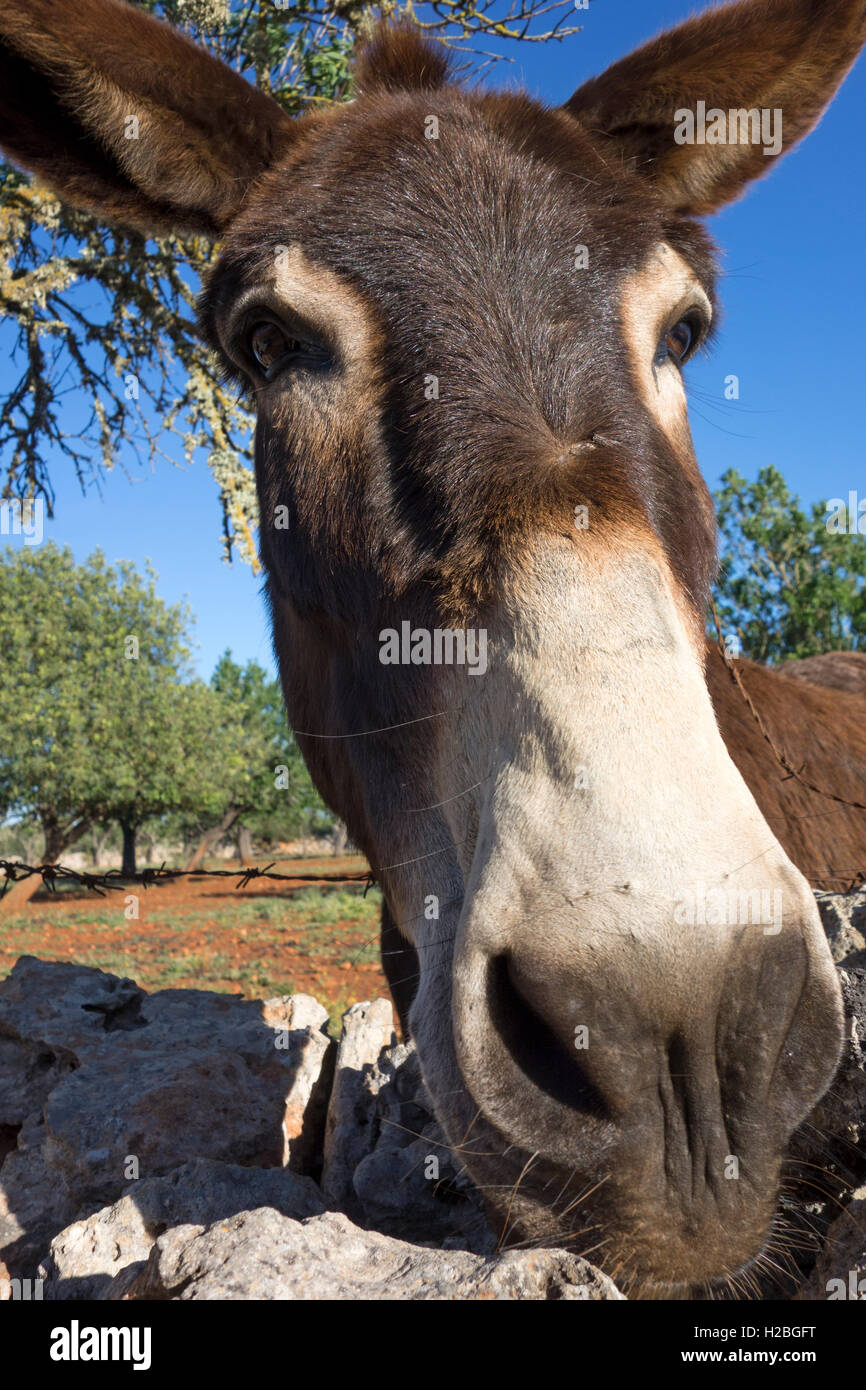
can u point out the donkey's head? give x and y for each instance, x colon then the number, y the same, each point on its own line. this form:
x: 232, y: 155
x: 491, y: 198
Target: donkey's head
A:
x: 463, y: 319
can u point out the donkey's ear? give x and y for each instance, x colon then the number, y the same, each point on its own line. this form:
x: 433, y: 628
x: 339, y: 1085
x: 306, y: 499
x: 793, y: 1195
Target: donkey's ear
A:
x: 785, y: 56
x: 123, y: 115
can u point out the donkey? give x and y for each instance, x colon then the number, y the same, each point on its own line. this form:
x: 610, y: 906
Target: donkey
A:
x: 463, y: 318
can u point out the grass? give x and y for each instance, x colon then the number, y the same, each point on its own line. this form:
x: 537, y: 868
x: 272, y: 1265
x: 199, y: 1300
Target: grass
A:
x: 321, y: 941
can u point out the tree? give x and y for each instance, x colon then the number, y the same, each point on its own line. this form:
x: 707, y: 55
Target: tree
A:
x: 173, y: 748
x: 107, y: 362
x: 270, y: 794
x: 101, y: 838
x: 85, y: 648
x: 22, y: 839
x: 792, y: 582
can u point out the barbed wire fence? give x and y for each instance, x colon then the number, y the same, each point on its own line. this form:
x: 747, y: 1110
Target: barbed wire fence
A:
x: 115, y: 880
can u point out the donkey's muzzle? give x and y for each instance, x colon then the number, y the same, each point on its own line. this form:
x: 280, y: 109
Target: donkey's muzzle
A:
x: 667, y: 1072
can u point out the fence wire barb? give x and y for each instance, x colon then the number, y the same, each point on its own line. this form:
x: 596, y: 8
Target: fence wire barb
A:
x: 114, y: 880
x: 784, y: 762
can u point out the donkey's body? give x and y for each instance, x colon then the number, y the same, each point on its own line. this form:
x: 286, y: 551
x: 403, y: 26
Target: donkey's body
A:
x: 815, y: 712
x: 462, y: 317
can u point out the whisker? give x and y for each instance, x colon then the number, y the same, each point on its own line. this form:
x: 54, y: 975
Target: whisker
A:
x: 385, y: 729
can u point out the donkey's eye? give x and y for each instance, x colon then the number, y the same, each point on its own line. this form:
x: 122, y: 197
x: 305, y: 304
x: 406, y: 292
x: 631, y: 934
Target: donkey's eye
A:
x: 269, y: 345
x: 273, y: 349
x: 678, y: 343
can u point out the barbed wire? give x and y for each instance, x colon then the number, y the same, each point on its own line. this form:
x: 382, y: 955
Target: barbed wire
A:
x: 783, y: 761
x: 114, y: 880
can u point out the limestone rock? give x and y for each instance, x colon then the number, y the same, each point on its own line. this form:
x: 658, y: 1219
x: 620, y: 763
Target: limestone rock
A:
x: 33, y: 1204
x: 262, y: 1255
x: 84, y: 1258
x: 301, y: 1025
x: 840, y: 1273
x: 164, y: 1146
x: 29, y: 1071
x: 206, y: 1077
x: 410, y: 1184
x: 844, y: 918
x: 837, y: 1125
x: 350, y: 1131
x: 115, y: 1084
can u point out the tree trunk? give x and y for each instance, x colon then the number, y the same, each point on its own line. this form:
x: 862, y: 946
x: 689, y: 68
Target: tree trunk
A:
x: 18, y: 894
x: 128, y: 863
x: 32, y: 847
x: 98, y: 840
x: 339, y: 837
x: 245, y: 845
x: 211, y: 837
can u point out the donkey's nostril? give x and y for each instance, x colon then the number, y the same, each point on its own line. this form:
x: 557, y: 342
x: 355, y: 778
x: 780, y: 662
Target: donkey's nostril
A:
x: 534, y: 1047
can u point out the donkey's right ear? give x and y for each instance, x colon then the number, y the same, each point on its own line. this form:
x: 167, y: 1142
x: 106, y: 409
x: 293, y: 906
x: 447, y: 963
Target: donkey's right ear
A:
x: 775, y: 60
x: 123, y: 115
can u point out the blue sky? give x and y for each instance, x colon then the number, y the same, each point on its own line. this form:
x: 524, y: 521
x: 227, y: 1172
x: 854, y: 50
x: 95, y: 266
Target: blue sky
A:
x: 794, y: 297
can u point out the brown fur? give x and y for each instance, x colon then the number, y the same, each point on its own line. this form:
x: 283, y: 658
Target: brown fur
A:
x: 772, y: 54
x: 543, y: 405
x: 822, y: 732
x: 394, y: 61
x: 837, y: 670
x: 83, y: 67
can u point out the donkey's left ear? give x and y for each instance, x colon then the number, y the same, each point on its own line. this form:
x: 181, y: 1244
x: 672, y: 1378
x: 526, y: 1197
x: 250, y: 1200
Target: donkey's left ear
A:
x: 125, y: 116
x: 773, y: 56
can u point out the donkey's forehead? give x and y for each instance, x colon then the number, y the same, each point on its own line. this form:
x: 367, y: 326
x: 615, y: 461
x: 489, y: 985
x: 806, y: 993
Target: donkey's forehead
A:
x: 397, y: 190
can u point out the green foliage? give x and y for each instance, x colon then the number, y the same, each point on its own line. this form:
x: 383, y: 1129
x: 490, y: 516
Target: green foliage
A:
x: 103, y: 722
x: 790, y: 587
x: 272, y: 807
x: 70, y: 696
x: 172, y: 748
x: 107, y: 366
x: 21, y: 840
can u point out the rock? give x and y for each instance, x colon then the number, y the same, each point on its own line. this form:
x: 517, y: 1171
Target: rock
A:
x: 411, y: 1184
x: 65, y: 1007
x: 844, y: 918
x: 29, y: 1071
x: 226, y: 1083
x: 836, y: 1129
x: 350, y: 1130
x: 84, y: 1258
x: 33, y: 1204
x: 164, y: 1146
x: 840, y: 1272
x: 119, y: 1085
x: 386, y: 1161
x: 845, y: 1104
x: 301, y: 1023
x: 263, y: 1255
x: 127, y: 1113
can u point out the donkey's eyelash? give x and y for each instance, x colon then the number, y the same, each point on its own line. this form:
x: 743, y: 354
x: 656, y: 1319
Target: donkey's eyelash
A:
x: 697, y: 312
x: 230, y: 373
